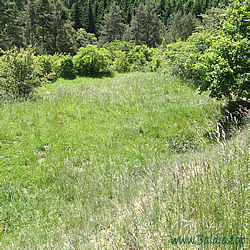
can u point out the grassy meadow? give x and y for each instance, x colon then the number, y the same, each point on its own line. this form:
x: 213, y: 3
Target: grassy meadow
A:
x: 120, y: 162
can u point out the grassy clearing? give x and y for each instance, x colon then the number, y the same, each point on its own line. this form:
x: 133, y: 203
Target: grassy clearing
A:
x: 91, y: 163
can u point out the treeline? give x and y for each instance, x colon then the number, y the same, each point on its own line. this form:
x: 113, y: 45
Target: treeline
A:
x: 57, y: 26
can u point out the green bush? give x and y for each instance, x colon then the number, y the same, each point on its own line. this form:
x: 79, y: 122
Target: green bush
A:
x: 67, y: 68
x: 155, y: 63
x: 121, y: 62
x: 177, y: 54
x: 47, y: 67
x: 20, y: 74
x: 224, y: 68
x: 91, y: 60
x: 118, y: 45
x: 127, y: 56
x: 140, y: 57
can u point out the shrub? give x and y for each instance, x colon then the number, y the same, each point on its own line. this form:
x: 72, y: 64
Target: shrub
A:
x: 67, y: 68
x: 224, y: 68
x: 126, y: 56
x: 118, y: 45
x: 20, y: 74
x: 91, y: 60
x: 155, y: 63
x: 140, y: 57
x: 47, y: 67
x: 179, y: 53
x: 121, y: 62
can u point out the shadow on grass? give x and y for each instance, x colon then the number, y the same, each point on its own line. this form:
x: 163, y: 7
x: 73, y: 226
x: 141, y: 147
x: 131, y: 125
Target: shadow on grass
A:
x: 99, y: 75
x: 235, y: 116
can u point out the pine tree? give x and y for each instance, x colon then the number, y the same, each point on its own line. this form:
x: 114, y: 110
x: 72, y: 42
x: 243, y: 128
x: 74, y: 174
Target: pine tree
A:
x: 145, y: 24
x: 44, y: 20
x: 76, y: 15
x: 61, y: 29
x: 30, y: 23
x: 9, y: 31
x: 113, y: 27
x: 47, y: 25
x: 180, y: 26
x: 88, y: 18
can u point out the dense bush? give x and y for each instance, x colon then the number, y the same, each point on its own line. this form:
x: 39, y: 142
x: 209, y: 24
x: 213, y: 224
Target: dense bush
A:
x: 128, y: 57
x: 67, y: 67
x: 20, y: 74
x: 121, y: 62
x: 224, y: 68
x: 47, y: 63
x: 91, y: 60
x: 117, y: 45
x: 177, y: 54
x: 140, y: 57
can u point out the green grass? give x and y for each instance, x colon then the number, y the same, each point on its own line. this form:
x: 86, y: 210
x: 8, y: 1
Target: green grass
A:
x: 108, y: 162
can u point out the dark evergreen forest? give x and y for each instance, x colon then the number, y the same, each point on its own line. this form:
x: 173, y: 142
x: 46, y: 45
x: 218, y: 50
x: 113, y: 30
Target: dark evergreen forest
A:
x: 55, y: 26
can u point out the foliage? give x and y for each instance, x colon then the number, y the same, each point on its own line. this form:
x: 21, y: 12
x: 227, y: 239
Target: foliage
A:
x: 91, y: 60
x: 67, y: 68
x: 156, y: 62
x: 211, y: 20
x: 225, y: 67
x: 46, y: 63
x: 119, y: 45
x: 53, y: 23
x: 145, y: 24
x: 121, y: 62
x: 140, y: 56
x: 45, y: 23
x: 127, y: 56
x: 19, y: 73
x: 9, y: 30
x: 178, y: 54
x: 113, y: 27
x: 83, y: 38
x: 180, y: 26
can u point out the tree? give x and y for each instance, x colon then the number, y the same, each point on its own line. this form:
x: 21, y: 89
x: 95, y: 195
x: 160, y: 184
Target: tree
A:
x: 9, y: 30
x: 44, y: 20
x: 83, y: 38
x: 180, y: 26
x: 224, y: 68
x: 61, y: 29
x: 88, y: 17
x: 76, y: 15
x: 30, y: 23
x: 113, y: 27
x: 145, y: 25
x: 46, y: 23
x: 211, y: 20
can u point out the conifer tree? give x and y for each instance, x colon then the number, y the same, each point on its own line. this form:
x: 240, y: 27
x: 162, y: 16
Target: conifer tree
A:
x: 76, y: 15
x: 88, y: 18
x: 30, y: 23
x: 47, y: 24
x: 113, y: 27
x: 145, y: 24
x: 44, y: 19
x: 9, y: 31
x: 180, y: 26
x: 61, y: 29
